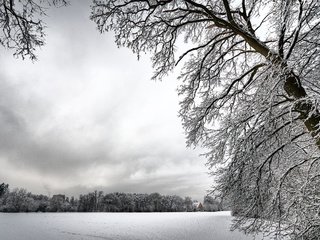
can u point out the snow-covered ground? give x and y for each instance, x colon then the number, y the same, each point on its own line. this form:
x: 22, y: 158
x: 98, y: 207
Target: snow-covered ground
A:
x: 118, y: 226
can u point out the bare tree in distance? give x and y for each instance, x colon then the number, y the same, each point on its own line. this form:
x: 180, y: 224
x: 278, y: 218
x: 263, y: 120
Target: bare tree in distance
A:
x: 250, y: 95
x: 21, y: 25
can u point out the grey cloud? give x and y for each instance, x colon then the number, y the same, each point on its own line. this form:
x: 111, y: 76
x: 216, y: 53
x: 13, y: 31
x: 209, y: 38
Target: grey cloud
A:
x: 86, y: 116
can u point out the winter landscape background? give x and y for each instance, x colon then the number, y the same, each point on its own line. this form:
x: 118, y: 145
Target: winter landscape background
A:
x: 80, y: 117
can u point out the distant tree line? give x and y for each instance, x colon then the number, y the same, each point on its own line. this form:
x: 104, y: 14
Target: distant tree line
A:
x: 19, y: 200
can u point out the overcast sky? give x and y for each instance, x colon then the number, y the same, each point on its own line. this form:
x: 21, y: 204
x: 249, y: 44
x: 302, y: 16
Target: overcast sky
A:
x: 87, y: 116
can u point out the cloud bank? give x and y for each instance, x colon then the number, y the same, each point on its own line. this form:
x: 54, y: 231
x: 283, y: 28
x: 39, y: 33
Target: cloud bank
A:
x: 87, y: 116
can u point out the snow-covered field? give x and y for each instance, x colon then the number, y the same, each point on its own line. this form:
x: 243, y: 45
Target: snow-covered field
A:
x: 118, y: 226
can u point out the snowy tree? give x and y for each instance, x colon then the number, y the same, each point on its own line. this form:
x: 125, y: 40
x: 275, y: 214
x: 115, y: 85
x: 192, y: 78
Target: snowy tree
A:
x: 250, y: 94
x: 4, y: 188
x: 58, y: 203
x: 112, y: 202
x: 19, y: 201
x: 21, y: 25
x: 155, y: 200
x: 210, y: 204
x: 188, y: 204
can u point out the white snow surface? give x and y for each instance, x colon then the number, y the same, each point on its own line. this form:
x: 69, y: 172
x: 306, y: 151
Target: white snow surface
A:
x: 118, y: 226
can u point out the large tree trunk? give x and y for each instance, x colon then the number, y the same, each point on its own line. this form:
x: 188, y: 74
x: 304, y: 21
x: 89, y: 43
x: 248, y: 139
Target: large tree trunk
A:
x: 309, y: 114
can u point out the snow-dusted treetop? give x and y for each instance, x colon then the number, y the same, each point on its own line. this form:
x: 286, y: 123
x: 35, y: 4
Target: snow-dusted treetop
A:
x: 21, y: 25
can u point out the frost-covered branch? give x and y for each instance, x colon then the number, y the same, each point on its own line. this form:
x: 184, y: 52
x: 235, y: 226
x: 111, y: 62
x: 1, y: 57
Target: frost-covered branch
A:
x: 249, y: 92
x: 21, y: 25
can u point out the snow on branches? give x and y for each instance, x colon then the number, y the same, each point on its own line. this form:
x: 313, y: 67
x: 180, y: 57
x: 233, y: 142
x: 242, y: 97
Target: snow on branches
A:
x: 250, y: 94
x: 21, y: 25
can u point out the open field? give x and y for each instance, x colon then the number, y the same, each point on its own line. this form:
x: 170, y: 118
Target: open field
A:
x: 118, y: 226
